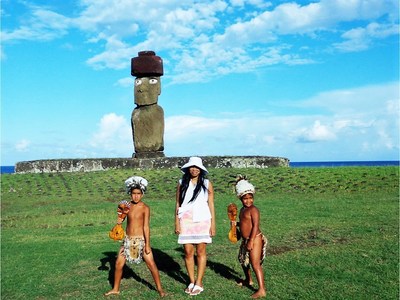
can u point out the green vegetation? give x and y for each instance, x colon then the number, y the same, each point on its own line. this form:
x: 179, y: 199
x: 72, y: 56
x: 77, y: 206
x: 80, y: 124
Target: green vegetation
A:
x: 333, y: 234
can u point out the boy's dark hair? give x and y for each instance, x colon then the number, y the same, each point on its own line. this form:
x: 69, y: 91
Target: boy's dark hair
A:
x: 135, y: 187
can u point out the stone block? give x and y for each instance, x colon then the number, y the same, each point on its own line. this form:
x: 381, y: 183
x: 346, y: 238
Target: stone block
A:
x: 147, y: 64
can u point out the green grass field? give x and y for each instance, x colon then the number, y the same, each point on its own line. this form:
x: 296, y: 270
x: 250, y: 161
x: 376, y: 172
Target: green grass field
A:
x: 333, y: 234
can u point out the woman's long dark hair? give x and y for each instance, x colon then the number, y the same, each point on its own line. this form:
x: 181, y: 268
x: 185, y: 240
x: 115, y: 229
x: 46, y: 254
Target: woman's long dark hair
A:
x: 185, y: 184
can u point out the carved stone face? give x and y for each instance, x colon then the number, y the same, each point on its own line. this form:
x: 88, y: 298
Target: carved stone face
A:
x: 147, y: 90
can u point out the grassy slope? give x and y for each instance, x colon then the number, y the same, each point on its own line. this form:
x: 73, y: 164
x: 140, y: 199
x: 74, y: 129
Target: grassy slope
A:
x: 333, y: 234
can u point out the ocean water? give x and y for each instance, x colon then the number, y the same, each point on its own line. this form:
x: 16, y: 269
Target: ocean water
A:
x: 7, y: 169
x: 319, y: 164
x: 312, y: 164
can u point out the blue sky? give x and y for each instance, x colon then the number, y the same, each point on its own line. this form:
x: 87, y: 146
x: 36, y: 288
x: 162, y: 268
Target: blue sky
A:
x: 306, y: 80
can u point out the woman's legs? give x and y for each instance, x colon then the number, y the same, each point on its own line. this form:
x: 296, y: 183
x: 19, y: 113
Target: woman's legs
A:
x: 201, y: 262
x: 189, y: 261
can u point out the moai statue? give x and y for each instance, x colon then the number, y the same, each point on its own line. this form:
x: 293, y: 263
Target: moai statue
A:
x: 148, y: 117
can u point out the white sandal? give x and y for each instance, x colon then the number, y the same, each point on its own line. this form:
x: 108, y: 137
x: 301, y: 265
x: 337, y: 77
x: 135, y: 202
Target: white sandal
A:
x: 196, y: 290
x: 188, y: 290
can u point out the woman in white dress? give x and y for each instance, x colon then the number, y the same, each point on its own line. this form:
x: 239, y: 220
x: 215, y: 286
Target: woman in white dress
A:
x: 195, y: 219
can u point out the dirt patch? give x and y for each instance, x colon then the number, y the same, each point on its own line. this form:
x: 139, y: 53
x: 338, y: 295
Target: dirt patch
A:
x: 307, y: 240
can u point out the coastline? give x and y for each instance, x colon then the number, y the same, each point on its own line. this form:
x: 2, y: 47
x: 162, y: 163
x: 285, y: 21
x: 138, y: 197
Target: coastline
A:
x: 312, y: 164
x: 333, y: 164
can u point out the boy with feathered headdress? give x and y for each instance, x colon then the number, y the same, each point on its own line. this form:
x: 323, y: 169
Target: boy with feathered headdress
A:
x: 136, y: 243
x: 253, y: 246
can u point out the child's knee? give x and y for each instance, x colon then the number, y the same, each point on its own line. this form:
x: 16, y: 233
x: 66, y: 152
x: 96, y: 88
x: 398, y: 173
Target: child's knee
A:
x: 255, y: 263
x: 257, y: 267
x: 119, y: 264
x: 151, y: 264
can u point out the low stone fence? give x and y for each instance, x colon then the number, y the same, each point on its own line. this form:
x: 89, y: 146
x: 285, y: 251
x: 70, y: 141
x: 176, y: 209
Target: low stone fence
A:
x: 101, y: 164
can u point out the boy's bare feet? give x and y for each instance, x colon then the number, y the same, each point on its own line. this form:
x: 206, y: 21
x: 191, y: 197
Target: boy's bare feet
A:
x: 259, y: 294
x: 162, y: 293
x: 112, y: 292
x: 245, y: 283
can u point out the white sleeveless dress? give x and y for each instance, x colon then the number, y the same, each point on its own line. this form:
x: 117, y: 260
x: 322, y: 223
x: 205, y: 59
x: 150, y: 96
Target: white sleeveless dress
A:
x: 195, y: 217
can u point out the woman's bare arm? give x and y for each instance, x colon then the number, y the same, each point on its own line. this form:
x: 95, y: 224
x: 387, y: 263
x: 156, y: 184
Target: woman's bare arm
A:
x: 212, y: 209
x: 177, y: 225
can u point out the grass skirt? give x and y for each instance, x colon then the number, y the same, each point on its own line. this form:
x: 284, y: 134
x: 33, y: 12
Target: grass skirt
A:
x: 244, y: 254
x: 133, y: 249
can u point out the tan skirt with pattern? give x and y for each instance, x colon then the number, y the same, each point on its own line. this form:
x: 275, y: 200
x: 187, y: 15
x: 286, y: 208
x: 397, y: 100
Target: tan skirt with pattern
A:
x: 244, y: 254
x: 132, y: 248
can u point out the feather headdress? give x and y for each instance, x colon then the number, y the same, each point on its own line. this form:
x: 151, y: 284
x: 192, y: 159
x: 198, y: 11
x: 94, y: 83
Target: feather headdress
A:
x: 135, y: 182
x: 243, y: 186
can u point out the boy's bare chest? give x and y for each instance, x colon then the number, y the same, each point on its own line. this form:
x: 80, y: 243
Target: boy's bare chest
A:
x: 244, y: 214
x: 136, y: 212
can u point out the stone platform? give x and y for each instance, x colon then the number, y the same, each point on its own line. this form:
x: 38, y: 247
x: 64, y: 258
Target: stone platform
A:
x: 101, y: 164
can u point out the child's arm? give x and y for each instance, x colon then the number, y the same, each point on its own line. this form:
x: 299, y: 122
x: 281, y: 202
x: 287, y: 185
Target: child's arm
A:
x: 235, y: 223
x: 146, y: 229
x: 117, y: 232
x: 255, y: 224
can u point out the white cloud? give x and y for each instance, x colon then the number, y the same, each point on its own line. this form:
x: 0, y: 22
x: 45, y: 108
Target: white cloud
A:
x: 125, y: 82
x: 342, y: 10
x: 256, y: 3
x: 393, y: 106
x: 232, y: 39
x: 112, y: 57
x: 201, y: 40
x: 188, y: 127
x: 22, y: 145
x: 359, y: 39
x: 361, y: 117
x: 367, y: 118
x: 371, y: 100
x: 341, y: 124
x: 316, y: 133
x: 113, y: 134
x: 239, y: 3
x: 42, y: 25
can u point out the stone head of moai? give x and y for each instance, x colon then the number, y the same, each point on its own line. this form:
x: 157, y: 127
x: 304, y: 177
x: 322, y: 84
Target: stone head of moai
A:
x: 148, y: 117
x: 147, y: 67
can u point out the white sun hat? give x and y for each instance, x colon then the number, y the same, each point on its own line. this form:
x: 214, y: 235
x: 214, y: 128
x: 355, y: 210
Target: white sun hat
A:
x: 196, y: 162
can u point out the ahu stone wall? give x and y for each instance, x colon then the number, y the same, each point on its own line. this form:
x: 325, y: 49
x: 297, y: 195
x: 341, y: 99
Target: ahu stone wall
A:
x: 102, y: 164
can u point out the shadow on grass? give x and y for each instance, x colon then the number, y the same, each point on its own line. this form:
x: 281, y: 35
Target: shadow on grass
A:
x: 220, y: 269
x: 164, y: 262
x: 228, y: 273
x: 127, y: 272
x: 169, y: 266
x: 224, y: 270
